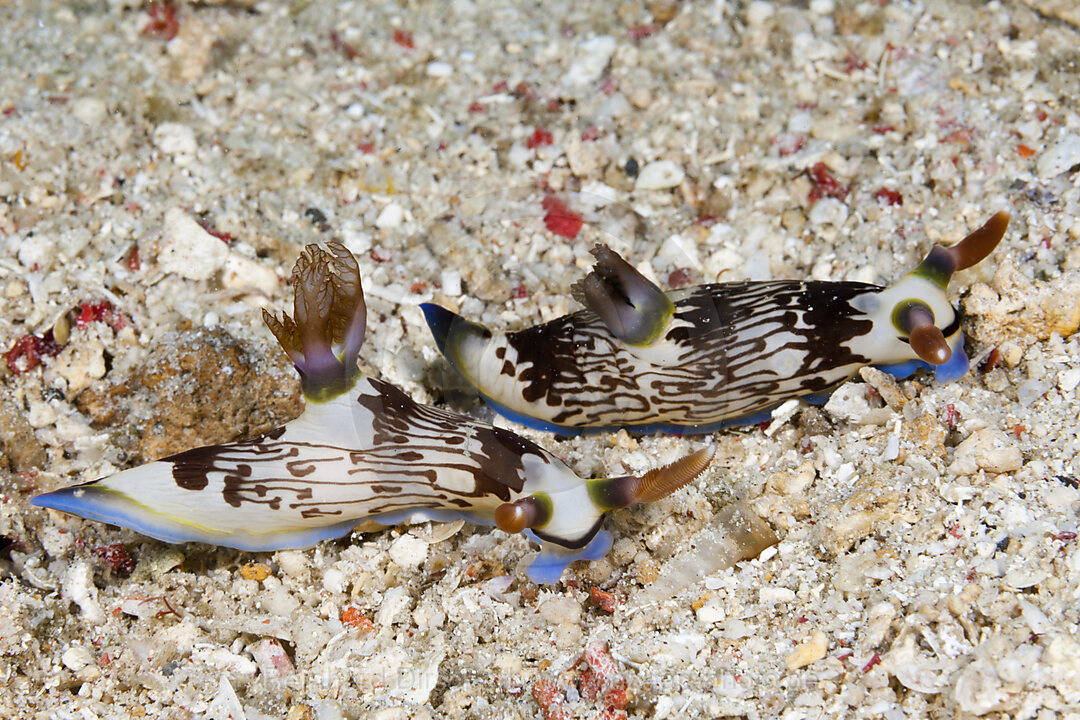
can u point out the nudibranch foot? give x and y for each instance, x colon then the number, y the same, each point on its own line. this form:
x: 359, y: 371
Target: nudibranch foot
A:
x: 553, y: 559
x: 363, y: 453
x: 707, y: 357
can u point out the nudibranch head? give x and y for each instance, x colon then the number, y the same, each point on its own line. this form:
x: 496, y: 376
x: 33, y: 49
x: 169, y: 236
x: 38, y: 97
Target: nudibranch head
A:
x: 920, y: 314
x: 324, y: 336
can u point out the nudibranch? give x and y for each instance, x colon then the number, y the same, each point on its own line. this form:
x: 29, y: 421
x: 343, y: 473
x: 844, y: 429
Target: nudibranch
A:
x: 710, y: 356
x: 363, y: 454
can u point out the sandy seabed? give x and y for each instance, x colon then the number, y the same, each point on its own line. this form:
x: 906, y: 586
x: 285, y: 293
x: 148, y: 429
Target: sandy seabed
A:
x: 161, y: 167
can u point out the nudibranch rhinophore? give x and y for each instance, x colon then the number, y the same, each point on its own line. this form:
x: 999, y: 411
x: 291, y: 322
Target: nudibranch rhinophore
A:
x: 703, y: 358
x: 363, y: 454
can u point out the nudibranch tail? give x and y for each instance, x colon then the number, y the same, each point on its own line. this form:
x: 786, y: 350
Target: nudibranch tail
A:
x: 654, y: 485
x: 324, y: 336
x: 456, y: 337
x: 163, y: 500
x: 634, y: 308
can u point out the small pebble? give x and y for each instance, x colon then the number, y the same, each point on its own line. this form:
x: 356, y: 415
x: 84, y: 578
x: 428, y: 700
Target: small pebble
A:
x: 758, y: 12
x: 77, y: 657
x: 829, y: 211
x: 254, y: 571
x: 986, y: 449
x: 1060, y: 157
x: 176, y: 140
x: 560, y: 610
x: 89, y: 110
x: 451, y: 283
x: 390, y: 217
x: 440, y: 69
x: 408, y: 551
x: 242, y: 272
x: 271, y: 658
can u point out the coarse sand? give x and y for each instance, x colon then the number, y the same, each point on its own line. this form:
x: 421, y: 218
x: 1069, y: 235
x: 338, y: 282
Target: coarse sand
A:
x: 161, y: 166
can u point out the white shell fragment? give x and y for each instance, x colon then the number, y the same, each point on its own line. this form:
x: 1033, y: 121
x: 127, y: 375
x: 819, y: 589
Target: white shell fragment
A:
x: 659, y: 175
x: 188, y: 250
x: 592, y: 57
x: 390, y: 217
x: 76, y: 657
x: 176, y: 140
x: 810, y: 650
x: 242, y: 272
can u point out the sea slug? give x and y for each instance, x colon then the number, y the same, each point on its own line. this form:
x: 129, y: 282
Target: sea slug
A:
x: 363, y: 454
x: 703, y: 358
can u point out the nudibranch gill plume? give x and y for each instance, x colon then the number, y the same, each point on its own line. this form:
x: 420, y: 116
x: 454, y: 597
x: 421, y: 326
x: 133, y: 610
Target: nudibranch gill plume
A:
x: 703, y: 358
x: 363, y: 453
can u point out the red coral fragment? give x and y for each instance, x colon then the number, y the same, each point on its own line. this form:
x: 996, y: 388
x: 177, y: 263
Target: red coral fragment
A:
x: 343, y: 47
x: 404, y: 38
x: 889, y: 197
x: 640, y: 32
x: 853, y: 62
x: 116, y: 557
x: 27, y: 352
x: 93, y: 311
x: 825, y: 185
x: 476, y: 107
x: 133, y: 263
x: 601, y: 680
x: 163, y: 21
x: 951, y: 417
x: 607, y: 601
x: 590, y: 133
x: 221, y: 235
x: 539, y: 137
x: 367, y: 147
x: 992, y: 361
x: 353, y: 617
x: 519, y: 291
x: 960, y: 135
x: 551, y: 701
x: 1024, y: 151
x: 560, y: 219
x: 874, y: 661
x: 100, y: 311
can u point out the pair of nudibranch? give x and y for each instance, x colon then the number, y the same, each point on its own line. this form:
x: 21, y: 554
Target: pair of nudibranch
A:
x: 363, y: 454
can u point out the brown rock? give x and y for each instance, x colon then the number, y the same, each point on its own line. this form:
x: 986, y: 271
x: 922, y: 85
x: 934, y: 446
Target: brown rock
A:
x: 198, y: 387
x: 1014, y: 309
x: 18, y: 443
